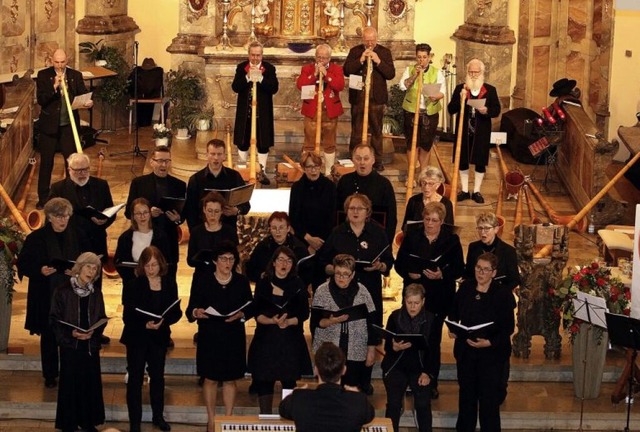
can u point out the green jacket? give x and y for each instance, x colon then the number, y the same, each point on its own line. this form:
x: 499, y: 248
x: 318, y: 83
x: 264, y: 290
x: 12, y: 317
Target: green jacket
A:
x: 429, y: 77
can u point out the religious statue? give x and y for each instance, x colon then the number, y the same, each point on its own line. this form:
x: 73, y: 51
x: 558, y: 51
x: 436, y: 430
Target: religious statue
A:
x: 333, y: 19
x: 262, y: 12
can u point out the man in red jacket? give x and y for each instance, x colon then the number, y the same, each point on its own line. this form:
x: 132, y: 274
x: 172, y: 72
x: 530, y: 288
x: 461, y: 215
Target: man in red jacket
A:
x: 332, y: 85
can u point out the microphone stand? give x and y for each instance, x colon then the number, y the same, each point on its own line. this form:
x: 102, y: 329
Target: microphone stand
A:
x: 136, y: 147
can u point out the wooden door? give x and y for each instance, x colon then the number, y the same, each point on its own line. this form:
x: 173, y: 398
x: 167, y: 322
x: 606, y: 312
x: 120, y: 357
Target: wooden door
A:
x: 15, y: 43
x: 49, y: 18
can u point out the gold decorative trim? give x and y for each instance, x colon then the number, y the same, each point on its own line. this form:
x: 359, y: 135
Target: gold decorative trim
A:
x: 197, y: 9
x: 396, y: 10
x: 15, y: 9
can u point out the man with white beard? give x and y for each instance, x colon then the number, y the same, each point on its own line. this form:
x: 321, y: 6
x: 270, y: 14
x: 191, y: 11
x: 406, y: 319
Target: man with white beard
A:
x: 476, y: 131
x: 83, y: 190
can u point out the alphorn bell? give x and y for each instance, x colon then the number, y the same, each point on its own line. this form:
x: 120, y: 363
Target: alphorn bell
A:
x: 367, y: 91
x: 579, y: 226
x: 319, y: 113
x: 35, y: 218
x: 14, y: 211
x: 513, y: 179
x: 587, y: 208
x: 414, y: 141
x: 456, y: 161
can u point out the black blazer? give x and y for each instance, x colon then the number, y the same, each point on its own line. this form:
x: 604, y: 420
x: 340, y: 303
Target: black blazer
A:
x: 382, y: 73
x: 51, y: 101
x: 327, y: 408
x: 135, y: 322
x: 100, y: 199
x: 123, y: 252
x: 507, y: 271
x: 145, y: 187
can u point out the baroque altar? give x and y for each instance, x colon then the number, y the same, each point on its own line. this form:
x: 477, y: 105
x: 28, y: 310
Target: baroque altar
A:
x: 213, y: 36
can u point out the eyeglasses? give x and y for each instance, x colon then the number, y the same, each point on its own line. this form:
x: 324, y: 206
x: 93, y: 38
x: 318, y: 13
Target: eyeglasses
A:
x: 428, y: 183
x: 161, y: 161
x: 142, y: 213
x: 484, y: 228
x: 357, y: 209
x: 483, y: 270
x: 359, y: 159
x: 343, y: 275
x: 283, y: 260
x: 226, y: 259
x: 80, y: 170
x: 279, y: 228
x: 63, y: 216
x: 431, y: 220
x: 312, y: 167
x: 474, y: 72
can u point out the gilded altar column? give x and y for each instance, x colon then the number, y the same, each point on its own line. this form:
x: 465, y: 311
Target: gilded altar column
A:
x: 108, y: 20
x: 485, y: 35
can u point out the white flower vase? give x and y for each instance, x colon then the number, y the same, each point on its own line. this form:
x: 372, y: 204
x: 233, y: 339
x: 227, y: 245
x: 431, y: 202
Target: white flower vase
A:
x: 162, y: 142
x: 203, y: 124
x: 5, y: 306
x: 102, y: 63
x: 182, y: 133
x: 590, y: 346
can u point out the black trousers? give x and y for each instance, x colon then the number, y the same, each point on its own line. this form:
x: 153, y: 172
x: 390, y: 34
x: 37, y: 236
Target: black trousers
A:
x: 396, y: 382
x: 48, y: 146
x: 139, y: 355
x: 376, y: 112
x: 265, y: 388
x: 357, y: 375
x: 479, y: 377
x: 49, y: 354
x: 434, y: 345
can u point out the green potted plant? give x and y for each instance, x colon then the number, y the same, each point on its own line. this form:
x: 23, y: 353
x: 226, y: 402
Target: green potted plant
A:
x: 11, y: 241
x: 186, y: 92
x: 202, y: 119
x: 393, y: 119
x: 95, y: 52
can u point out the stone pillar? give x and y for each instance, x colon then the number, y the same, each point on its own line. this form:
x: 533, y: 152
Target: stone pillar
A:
x: 485, y: 35
x: 198, y: 22
x: 108, y: 20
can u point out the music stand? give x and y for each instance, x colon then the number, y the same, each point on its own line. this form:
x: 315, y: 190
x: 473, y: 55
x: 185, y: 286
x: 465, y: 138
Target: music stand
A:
x: 625, y: 331
x: 591, y: 310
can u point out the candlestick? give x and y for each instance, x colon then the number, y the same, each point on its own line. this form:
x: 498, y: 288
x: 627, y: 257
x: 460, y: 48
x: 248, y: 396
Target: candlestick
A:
x: 225, y: 42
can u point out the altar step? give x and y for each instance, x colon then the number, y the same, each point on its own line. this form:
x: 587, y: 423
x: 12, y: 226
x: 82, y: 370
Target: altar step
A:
x: 539, y: 406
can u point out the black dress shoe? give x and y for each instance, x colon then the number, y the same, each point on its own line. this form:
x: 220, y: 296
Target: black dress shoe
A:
x: 477, y: 197
x: 50, y: 383
x: 463, y: 196
x: 161, y: 424
x: 105, y: 340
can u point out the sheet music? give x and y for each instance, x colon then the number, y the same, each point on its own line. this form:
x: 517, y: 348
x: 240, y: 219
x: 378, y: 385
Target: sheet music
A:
x: 431, y: 90
x: 476, y: 103
x: 356, y: 82
x: 308, y: 92
x: 81, y: 101
x: 597, y: 307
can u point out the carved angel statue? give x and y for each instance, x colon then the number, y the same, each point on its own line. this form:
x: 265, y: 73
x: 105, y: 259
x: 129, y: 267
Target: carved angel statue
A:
x: 332, y: 13
x: 262, y: 10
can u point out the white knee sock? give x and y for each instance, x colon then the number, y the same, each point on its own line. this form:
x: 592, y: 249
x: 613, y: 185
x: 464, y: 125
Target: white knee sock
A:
x: 242, y: 156
x: 262, y: 160
x: 477, y: 181
x: 464, y: 180
x: 329, y: 160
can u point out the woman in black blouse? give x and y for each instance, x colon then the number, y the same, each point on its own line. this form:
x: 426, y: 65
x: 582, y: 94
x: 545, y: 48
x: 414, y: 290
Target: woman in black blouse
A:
x: 312, y: 204
x: 212, y: 232
x: 221, y: 351
x: 278, y: 351
x: 432, y: 256
x: 480, y: 360
x: 430, y: 180
x: 146, y: 336
x: 133, y: 241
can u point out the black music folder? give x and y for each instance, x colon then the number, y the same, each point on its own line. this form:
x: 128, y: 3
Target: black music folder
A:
x: 107, y: 213
x: 418, y: 341
x: 356, y: 312
x: 362, y: 264
x: 61, y: 265
x: 204, y: 256
x: 213, y: 313
x: 157, y: 317
x: 416, y: 264
x: 471, y: 332
x: 96, y: 325
x: 236, y: 196
x: 172, y: 204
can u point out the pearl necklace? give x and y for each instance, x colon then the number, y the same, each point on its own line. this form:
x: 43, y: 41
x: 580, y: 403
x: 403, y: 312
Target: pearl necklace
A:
x: 223, y: 282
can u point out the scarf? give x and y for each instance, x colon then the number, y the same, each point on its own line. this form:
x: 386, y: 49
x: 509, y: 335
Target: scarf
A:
x: 81, y: 291
x: 409, y: 325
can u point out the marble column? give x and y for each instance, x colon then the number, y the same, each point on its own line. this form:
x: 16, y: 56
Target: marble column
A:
x: 486, y: 35
x: 108, y: 20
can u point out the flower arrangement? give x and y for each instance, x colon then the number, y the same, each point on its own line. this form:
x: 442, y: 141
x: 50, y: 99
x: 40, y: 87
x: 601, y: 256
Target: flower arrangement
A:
x: 11, y: 241
x: 592, y: 279
x: 161, y: 131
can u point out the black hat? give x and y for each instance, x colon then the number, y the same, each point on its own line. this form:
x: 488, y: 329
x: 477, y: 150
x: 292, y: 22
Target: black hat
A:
x: 148, y: 64
x: 562, y: 87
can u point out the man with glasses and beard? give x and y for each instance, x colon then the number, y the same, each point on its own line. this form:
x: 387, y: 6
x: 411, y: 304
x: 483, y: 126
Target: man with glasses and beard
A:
x: 476, y: 131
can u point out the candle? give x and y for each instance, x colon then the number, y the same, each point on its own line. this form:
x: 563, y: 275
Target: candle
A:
x: 370, y: 2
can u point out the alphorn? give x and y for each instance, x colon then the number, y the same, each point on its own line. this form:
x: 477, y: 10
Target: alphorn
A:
x: 587, y: 208
x: 292, y: 163
x: 517, y: 220
x: 445, y: 173
x: 499, y: 205
x: 503, y: 164
x: 414, y: 141
x: 453, y: 197
x: 72, y: 120
x: 14, y: 211
x: 109, y: 266
x: 319, y: 113
x: 367, y: 91
x: 556, y: 218
x: 253, y: 142
x: 533, y: 219
x: 227, y: 129
x: 35, y: 218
